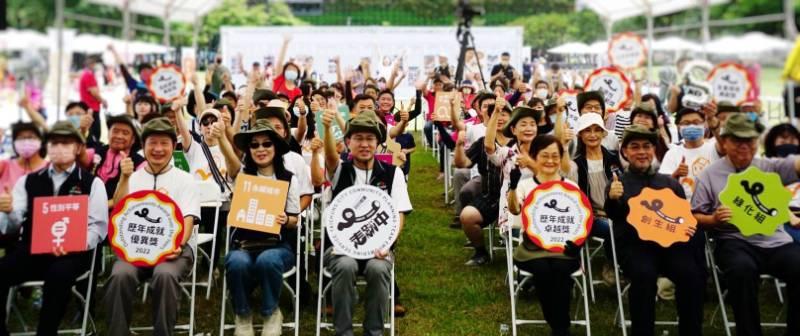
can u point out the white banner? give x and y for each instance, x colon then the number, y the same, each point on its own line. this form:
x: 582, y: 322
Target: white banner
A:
x: 420, y: 45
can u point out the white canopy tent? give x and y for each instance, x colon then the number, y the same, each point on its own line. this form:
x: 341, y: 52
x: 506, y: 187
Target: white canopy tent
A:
x: 747, y: 44
x: 611, y: 11
x: 168, y: 10
x: 13, y: 39
x: 575, y: 48
x: 674, y: 43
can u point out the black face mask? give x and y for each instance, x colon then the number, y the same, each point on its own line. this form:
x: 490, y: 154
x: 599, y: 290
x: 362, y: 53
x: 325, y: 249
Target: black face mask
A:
x: 545, y: 129
x: 786, y: 150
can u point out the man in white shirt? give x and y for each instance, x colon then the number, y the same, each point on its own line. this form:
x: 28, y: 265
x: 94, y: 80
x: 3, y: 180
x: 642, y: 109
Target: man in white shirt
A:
x: 686, y: 161
x: 364, y: 134
x: 159, y: 139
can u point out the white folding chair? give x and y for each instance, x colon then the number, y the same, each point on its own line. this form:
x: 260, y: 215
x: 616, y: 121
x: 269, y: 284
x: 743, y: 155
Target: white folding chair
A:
x: 517, y: 279
x: 624, y: 323
x: 86, y: 300
x: 492, y: 229
x: 591, y: 253
x: 293, y: 291
x: 726, y: 323
x: 308, y: 234
x: 210, y: 197
x: 324, y: 273
x: 448, y: 175
x: 190, y: 293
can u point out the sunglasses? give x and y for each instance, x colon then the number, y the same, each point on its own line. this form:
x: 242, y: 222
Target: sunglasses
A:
x: 208, y: 121
x: 255, y: 145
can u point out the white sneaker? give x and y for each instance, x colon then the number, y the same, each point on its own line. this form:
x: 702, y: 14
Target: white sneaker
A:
x: 273, y: 325
x: 244, y: 326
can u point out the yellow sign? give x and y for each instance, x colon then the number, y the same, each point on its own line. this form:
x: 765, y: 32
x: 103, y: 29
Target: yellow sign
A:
x: 257, y: 203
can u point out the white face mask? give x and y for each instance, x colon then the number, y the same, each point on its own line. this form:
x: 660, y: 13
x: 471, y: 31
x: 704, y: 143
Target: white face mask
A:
x: 541, y: 93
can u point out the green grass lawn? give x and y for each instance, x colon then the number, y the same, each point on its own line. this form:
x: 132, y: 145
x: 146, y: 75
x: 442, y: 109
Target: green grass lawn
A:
x: 443, y: 296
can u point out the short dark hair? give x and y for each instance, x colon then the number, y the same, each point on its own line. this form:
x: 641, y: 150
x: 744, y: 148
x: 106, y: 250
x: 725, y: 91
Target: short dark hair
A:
x: 361, y: 97
x: 74, y: 104
x: 505, y: 53
x: 543, y: 141
x: 770, y: 149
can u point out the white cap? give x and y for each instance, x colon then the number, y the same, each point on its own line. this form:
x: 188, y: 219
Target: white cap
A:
x: 589, y: 119
x: 210, y: 111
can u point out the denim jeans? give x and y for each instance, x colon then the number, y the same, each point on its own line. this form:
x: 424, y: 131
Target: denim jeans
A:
x: 600, y: 229
x: 264, y: 268
x: 793, y: 231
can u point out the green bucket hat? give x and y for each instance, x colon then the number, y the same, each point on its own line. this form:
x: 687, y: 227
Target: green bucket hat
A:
x: 159, y: 125
x: 742, y: 125
x: 726, y: 106
x: 273, y: 112
x: 636, y: 132
x: 366, y: 121
x: 126, y: 120
x: 262, y: 126
x: 262, y: 94
x: 66, y: 129
x: 519, y: 113
x: 224, y: 102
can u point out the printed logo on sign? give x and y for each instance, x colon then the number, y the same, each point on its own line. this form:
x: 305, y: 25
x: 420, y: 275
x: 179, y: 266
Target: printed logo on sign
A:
x: 729, y: 82
x: 167, y: 83
x: 361, y: 220
x: 758, y: 201
x: 613, y: 85
x: 627, y: 51
x: 555, y: 213
x: 659, y: 215
x: 145, y: 227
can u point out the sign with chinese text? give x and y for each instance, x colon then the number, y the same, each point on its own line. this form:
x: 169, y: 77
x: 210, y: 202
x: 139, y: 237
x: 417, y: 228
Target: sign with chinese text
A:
x: 554, y: 213
x: 179, y: 160
x: 257, y: 202
x: 443, y: 105
x: 145, y: 227
x: 570, y: 106
x: 758, y: 200
x: 614, y: 86
x: 167, y: 83
x: 729, y: 82
x: 627, y: 51
x: 660, y: 216
x: 59, y: 221
x: 362, y: 219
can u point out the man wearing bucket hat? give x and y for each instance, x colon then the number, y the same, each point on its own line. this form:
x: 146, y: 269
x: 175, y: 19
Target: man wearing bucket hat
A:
x: 159, y: 140
x: 59, y: 270
x: 643, y: 261
x: 123, y: 142
x: 743, y: 258
x: 364, y: 135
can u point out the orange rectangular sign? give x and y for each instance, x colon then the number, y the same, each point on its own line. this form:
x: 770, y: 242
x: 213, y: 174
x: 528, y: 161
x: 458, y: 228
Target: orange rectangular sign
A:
x: 257, y: 202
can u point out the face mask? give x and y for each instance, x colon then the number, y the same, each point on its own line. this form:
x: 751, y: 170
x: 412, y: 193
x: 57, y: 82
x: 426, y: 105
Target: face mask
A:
x: 26, y: 148
x: 786, y: 150
x: 61, y: 153
x: 693, y: 132
x: 553, y: 118
x: 541, y: 93
x: 75, y: 120
x: 290, y: 75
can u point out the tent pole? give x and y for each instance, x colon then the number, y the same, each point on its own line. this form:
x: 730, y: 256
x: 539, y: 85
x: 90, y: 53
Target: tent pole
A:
x: 195, y: 32
x: 790, y: 30
x: 704, y: 32
x: 649, y: 43
x: 59, y: 58
x: 126, y: 26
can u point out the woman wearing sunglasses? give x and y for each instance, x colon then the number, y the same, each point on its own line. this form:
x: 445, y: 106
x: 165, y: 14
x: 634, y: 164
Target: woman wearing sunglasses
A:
x: 257, y: 258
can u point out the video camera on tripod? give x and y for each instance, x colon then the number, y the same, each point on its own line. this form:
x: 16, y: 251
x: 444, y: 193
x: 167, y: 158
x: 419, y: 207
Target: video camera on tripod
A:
x: 465, y: 13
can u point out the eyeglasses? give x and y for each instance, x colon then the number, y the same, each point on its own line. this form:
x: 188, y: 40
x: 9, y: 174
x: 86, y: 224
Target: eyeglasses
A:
x: 208, y: 121
x: 255, y: 145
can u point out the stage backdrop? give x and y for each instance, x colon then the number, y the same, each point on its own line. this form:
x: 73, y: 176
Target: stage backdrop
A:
x: 420, y: 45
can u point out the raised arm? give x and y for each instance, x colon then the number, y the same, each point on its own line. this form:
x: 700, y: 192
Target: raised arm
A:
x: 302, y: 123
x: 232, y: 161
x: 331, y: 155
x: 36, y: 117
x: 317, y: 174
x: 282, y: 54
x: 491, y: 127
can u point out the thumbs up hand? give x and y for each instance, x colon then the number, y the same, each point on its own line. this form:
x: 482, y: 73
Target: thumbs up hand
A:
x: 126, y: 166
x: 683, y: 169
x: 5, y: 200
x: 616, y: 190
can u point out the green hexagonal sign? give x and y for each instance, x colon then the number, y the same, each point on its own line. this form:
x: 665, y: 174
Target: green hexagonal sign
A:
x: 758, y: 200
